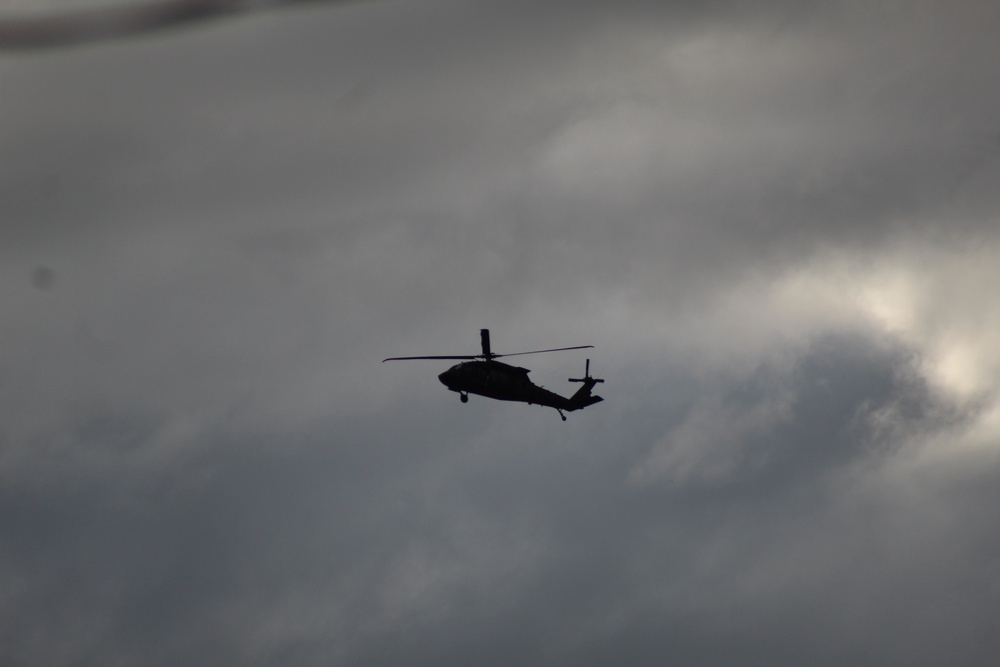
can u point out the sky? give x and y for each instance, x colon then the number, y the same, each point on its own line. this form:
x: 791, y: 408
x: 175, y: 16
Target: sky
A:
x: 775, y: 221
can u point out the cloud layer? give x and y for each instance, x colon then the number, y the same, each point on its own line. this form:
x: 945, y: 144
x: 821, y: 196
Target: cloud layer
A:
x: 776, y: 223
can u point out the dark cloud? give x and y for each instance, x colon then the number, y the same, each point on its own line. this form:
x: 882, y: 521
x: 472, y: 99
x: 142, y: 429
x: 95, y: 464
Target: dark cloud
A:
x: 43, y: 277
x: 55, y: 26
x: 353, y: 546
x: 775, y: 222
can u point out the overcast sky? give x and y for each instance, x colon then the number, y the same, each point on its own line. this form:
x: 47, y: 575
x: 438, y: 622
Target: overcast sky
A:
x: 775, y: 221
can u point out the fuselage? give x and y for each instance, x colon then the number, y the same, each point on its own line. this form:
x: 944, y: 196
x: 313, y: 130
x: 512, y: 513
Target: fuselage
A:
x: 495, y: 379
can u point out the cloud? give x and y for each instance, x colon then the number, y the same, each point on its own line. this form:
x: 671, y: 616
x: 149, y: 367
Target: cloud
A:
x: 52, y: 26
x: 776, y: 224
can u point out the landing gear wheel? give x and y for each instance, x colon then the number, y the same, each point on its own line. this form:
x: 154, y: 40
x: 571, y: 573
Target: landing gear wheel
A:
x: 464, y: 397
x: 561, y: 414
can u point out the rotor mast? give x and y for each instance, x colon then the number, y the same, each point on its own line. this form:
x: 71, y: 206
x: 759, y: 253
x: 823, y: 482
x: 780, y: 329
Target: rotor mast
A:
x: 484, y: 337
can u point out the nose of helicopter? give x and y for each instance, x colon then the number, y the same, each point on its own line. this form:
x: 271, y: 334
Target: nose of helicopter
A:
x: 447, y: 377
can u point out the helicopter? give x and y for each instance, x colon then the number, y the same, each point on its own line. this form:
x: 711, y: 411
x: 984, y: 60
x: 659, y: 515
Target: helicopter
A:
x: 483, y: 375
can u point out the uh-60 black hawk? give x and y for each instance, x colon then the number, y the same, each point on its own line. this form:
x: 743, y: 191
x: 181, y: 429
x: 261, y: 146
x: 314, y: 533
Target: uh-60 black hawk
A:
x: 482, y: 374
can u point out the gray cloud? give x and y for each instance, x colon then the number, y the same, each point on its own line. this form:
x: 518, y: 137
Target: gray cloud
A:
x: 50, y: 24
x: 774, y: 222
x: 352, y: 546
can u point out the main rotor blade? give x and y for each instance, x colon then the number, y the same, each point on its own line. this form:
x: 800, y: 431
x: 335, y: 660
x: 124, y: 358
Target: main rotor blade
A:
x: 406, y: 358
x: 555, y: 349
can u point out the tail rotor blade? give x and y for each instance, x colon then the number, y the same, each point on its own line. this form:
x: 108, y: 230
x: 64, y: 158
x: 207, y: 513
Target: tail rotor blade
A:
x: 586, y: 375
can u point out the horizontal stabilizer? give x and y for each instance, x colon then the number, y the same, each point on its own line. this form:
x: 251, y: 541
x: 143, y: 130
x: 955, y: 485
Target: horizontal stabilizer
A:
x: 588, y: 401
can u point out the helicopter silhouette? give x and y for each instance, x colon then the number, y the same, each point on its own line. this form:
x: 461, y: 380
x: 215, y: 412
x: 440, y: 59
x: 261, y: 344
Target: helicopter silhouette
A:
x: 483, y: 375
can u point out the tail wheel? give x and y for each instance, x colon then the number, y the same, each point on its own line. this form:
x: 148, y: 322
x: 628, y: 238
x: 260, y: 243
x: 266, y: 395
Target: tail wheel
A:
x: 464, y: 397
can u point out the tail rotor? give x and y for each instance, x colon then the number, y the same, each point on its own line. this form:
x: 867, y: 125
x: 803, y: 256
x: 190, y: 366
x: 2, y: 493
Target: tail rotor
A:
x: 586, y: 376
